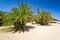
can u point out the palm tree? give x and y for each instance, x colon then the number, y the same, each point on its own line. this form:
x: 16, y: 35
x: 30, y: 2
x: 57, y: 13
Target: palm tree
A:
x: 2, y: 17
x: 44, y: 18
x: 38, y: 10
x: 37, y: 16
x: 21, y: 15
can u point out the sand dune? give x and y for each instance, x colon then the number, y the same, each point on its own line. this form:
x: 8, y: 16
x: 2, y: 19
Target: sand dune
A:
x: 38, y: 32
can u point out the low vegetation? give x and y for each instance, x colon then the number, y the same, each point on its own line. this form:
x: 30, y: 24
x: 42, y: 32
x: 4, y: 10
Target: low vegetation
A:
x: 23, y: 14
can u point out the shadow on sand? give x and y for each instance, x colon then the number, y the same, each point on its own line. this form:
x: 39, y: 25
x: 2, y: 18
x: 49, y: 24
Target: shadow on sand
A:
x: 29, y: 27
x: 5, y: 30
x: 44, y: 25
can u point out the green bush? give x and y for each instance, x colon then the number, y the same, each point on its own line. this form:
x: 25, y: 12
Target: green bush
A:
x: 44, y: 18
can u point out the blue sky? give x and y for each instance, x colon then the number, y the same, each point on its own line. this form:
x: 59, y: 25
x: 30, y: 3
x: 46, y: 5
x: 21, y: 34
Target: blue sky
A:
x: 52, y: 6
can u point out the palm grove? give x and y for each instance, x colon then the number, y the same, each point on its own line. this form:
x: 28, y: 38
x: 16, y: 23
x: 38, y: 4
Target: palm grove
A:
x: 22, y: 15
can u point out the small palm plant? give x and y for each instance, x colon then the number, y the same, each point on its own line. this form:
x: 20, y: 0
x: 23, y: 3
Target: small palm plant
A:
x: 44, y: 18
x: 36, y: 18
x: 21, y: 15
x: 1, y: 22
x: 2, y: 17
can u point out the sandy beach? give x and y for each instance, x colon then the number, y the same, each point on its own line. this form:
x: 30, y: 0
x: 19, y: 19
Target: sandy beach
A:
x: 36, y: 32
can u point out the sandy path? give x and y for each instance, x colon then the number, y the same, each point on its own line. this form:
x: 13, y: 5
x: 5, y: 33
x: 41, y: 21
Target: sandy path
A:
x: 37, y: 33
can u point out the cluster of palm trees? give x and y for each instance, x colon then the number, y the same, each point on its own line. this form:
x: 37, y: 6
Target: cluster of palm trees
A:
x: 23, y: 14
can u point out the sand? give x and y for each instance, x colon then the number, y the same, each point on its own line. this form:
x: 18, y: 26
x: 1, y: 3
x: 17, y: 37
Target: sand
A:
x: 37, y: 32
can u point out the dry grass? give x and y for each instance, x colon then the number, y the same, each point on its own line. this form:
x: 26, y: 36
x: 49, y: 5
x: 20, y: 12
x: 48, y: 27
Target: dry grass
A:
x: 6, y: 29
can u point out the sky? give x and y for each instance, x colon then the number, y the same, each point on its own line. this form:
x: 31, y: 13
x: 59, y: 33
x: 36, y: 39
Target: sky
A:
x: 52, y: 6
